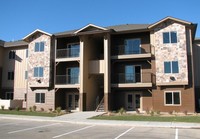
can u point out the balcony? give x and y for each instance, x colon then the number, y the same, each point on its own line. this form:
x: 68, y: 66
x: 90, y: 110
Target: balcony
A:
x: 67, y: 81
x: 68, y: 54
x: 132, y: 80
x: 122, y: 52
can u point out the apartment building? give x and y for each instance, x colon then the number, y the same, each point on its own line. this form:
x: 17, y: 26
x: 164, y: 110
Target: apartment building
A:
x: 135, y: 66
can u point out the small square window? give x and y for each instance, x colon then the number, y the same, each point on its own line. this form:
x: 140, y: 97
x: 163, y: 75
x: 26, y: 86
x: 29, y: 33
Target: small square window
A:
x: 39, y: 46
x: 169, y: 37
x: 172, y: 98
x: 38, y: 71
x: 40, y: 98
x: 171, y: 67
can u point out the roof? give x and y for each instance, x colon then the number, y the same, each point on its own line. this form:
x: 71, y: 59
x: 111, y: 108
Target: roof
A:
x: 128, y: 27
x: 2, y: 43
x: 170, y: 18
x: 116, y: 28
x: 37, y: 30
x: 15, y: 43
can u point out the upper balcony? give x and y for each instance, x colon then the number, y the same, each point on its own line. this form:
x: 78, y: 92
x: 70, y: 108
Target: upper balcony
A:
x: 128, y: 52
x: 67, y: 81
x: 133, y: 80
x: 68, y: 54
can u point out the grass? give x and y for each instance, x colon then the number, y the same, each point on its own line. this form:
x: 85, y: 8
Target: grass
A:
x: 28, y: 113
x: 190, y: 119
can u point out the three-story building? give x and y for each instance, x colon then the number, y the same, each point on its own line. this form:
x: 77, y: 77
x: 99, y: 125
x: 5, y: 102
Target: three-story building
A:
x: 135, y: 66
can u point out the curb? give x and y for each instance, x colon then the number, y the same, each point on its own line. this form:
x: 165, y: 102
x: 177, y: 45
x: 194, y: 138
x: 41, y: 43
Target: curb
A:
x: 103, y: 123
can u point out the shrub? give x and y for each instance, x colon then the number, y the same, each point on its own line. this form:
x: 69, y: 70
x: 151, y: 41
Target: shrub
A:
x: 185, y: 112
x: 58, y: 110
x: 30, y: 109
x: 152, y: 113
x: 50, y: 109
x: 17, y: 108
x: 10, y: 108
x: 158, y: 112
x: 137, y: 111
x: 147, y: 111
x: 121, y: 111
x: 34, y: 108
x: 2, y: 107
x: 41, y: 109
x: 170, y: 112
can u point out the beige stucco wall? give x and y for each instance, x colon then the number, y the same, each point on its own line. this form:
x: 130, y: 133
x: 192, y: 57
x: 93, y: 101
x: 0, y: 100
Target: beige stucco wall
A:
x: 170, y: 52
x: 39, y: 59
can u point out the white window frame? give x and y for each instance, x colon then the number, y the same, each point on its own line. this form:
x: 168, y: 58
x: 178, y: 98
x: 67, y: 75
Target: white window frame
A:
x: 172, y: 98
x: 40, y: 102
x: 39, y: 46
x: 170, y: 40
x: 171, y: 67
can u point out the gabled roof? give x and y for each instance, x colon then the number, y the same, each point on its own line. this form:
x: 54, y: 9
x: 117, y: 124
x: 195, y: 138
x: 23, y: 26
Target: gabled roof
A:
x: 15, y: 43
x: 170, y: 18
x: 37, y: 30
x: 90, y: 26
x: 128, y: 27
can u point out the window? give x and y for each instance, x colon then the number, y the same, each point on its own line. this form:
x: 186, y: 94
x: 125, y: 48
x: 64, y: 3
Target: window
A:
x: 40, y: 98
x: 9, y: 95
x: 132, y: 46
x: 10, y: 75
x: 25, y: 97
x: 12, y: 55
x: 73, y: 75
x: 73, y: 50
x: 39, y: 46
x: 171, y: 67
x: 26, y: 53
x: 170, y: 37
x: 26, y: 74
x: 172, y: 98
x: 38, y: 71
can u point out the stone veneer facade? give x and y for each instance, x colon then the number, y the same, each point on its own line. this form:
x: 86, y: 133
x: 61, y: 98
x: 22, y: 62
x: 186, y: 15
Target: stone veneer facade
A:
x: 171, y: 52
x: 39, y: 59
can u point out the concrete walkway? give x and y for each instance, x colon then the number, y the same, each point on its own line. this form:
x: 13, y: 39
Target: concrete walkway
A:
x: 81, y: 118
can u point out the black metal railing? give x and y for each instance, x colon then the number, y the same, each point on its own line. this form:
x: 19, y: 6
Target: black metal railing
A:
x: 67, y: 79
x: 123, y: 50
x: 68, y: 53
x: 133, y: 78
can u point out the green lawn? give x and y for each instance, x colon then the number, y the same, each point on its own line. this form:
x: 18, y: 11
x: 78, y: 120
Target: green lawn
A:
x: 28, y: 113
x: 191, y: 119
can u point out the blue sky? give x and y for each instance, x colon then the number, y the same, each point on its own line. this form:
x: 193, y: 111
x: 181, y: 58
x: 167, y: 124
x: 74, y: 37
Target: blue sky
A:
x: 18, y: 18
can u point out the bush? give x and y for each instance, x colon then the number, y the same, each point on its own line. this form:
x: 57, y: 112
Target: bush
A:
x: 158, y: 112
x: 137, y: 111
x: 50, y: 109
x: 2, y: 107
x: 147, y: 111
x: 185, y: 112
x: 121, y: 111
x: 41, y: 109
x: 10, y: 108
x: 34, y: 108
x: 30, y: 109
x: 152, y: 113
x: 170, y: 112
x: 58, y: 110
x: 17, y: 108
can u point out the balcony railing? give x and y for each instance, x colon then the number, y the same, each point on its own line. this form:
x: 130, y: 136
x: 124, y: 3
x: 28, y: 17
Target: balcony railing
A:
x: 68, y: 53
x: 123, y: 50
x: 133, y: 78
x: 67, y: 79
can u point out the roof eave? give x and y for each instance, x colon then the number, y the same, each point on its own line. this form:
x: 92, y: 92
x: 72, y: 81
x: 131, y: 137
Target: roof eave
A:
x: 169, y: 18
x: 37, y: 30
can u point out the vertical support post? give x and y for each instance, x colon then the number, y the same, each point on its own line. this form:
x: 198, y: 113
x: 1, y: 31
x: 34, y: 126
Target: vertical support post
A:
x: 107, y: 86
